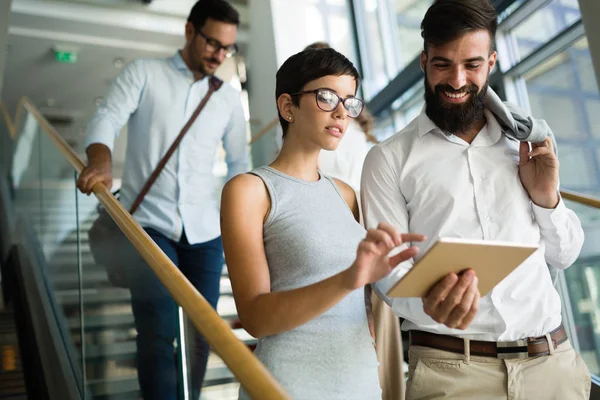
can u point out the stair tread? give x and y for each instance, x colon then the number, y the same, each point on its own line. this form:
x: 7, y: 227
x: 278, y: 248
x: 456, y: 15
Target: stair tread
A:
x: 99, y: 322
x: 104, y: 387
x: 93, y: 295
x: 123, y: 349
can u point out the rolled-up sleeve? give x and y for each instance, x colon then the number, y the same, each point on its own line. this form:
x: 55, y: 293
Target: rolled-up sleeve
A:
x: 117, y: 106
x: 562, y: 234
x: 235, y: 142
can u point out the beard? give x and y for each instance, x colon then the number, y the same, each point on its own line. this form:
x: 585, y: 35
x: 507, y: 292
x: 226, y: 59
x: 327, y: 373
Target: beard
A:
x: 455, y: 118
x: 197, y: 60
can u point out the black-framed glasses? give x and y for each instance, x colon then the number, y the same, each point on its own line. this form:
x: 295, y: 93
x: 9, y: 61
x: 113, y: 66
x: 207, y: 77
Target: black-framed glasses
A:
x: 214, y: 46
x: 328, y: 100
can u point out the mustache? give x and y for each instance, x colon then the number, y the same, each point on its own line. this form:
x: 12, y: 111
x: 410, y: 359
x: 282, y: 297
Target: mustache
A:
x: 212, y: 60
x: 449, y: 89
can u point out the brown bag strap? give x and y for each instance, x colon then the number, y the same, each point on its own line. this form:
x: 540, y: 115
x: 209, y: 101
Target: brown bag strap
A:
x: 213, y: 85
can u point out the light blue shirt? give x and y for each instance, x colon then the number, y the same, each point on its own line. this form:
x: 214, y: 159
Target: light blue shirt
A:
x: 157, y: 97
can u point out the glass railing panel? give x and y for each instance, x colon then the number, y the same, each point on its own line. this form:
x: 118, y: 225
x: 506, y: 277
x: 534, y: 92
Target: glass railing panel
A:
x: 265, y: 145
x: 580, y: 287
x: 108, y: 324
x: 99, y: 325
x: 6, y: 140
x: 44, y: 193
x: 219, y: 382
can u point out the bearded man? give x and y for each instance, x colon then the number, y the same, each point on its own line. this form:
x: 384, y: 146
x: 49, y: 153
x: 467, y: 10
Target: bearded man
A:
x: 461, y: 169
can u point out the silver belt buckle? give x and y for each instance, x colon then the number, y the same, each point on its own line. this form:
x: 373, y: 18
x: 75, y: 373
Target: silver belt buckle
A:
x: 511, y: 350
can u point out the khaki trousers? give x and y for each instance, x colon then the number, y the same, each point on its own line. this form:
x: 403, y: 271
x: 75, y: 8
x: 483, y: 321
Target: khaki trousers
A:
x: 389, y: 349
x: 437, y: 374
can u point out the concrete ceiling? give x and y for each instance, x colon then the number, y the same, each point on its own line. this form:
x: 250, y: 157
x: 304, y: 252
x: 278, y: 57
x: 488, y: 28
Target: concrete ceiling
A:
x: 101, y: 32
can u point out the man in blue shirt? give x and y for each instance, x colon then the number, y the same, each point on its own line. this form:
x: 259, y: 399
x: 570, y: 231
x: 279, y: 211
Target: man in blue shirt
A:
x: 156, y: 97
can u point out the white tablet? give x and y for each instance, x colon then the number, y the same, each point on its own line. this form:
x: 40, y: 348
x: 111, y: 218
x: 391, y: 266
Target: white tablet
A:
x: 492, y: 261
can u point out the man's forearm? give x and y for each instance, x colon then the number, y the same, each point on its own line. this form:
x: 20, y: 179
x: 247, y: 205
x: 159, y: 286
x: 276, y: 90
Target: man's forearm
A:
x: 98, y: 153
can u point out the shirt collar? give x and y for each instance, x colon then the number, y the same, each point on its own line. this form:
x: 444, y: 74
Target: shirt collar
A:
x: 180, y: 64
x: 490, y: 133
x: 425, y: 125
x: 177, y: 60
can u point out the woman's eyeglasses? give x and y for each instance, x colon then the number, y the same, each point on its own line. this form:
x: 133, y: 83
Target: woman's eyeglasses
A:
x: 328, y: 100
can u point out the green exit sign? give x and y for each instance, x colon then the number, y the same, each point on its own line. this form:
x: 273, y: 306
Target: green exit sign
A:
x: 67, y: 57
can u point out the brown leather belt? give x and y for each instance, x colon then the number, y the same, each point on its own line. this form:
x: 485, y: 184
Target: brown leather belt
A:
x: 530, y: 347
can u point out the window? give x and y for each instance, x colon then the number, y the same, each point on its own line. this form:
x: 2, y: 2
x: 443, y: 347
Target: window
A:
x: 409, y: 14
x: 337, y: 29
x: 315, y: 20
x: 376, y: 76
x: 384, y: 127
x: 390, y: 38
x: 581, y: 291
x: 563, y: 91
x: 542, y: 25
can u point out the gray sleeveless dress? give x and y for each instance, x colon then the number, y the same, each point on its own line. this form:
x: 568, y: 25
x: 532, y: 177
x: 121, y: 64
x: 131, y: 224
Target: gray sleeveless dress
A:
x: 310, y: 235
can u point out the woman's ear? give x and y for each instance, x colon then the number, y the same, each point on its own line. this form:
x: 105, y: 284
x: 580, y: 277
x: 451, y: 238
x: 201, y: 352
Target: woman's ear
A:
x: 286, y: 107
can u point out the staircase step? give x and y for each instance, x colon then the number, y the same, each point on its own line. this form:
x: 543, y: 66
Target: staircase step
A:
x: 95, y: 323
x: 93, y: 296
x: 50, y: 218
x: 94, y: 277
x: 70, y: 247
x: 121, y: 386
x: 113, y: 351
x: 126, y: 350
x: 111, y: 295
x: 91, y: 278
x: 61, y: 260
x: 72, y: 239
x: 57, y: 226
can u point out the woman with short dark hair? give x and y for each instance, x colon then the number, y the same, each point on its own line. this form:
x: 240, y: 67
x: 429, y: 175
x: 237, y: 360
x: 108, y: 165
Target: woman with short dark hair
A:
x: 297, y: 257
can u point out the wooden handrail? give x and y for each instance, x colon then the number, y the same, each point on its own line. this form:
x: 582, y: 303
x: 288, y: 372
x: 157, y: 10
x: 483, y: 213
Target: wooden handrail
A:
x: 8, y: 120
x: 266, y: 129
x: 251, y: 373
x: 580, y: 198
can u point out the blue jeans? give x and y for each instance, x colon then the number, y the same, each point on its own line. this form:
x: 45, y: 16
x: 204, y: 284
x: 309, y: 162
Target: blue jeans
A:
x: 155, y: 314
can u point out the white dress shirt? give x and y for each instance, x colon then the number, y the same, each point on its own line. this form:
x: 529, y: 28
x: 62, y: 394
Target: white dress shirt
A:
x: 424, y: 181
x: 157, y: 97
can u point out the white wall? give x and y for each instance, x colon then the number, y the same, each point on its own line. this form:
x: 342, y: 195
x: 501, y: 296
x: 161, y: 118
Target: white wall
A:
x: 261, y: 64
x: 279, y: 29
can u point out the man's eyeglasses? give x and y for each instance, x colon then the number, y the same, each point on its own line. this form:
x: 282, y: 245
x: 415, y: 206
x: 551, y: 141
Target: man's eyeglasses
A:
x: 328, y: 100
x: 214, y: 46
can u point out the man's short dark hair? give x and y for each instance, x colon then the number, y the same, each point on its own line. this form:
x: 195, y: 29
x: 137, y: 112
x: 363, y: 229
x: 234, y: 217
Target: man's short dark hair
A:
x: 447, y: 20
x: 219, y: 10
x: 306, y: 66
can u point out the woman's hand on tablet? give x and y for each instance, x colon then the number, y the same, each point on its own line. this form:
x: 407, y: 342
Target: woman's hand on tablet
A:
x: 372, y: 260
